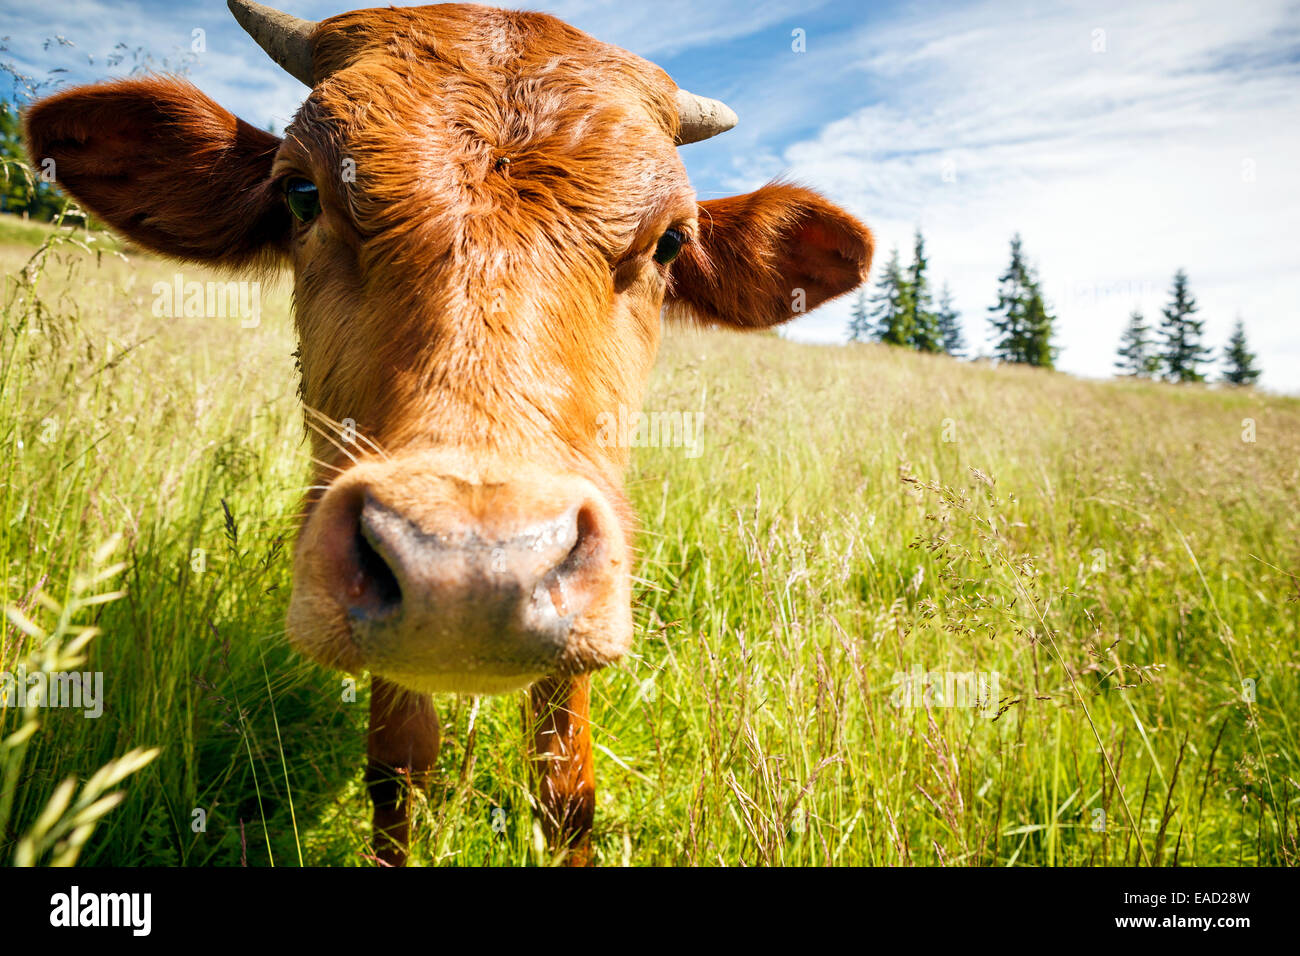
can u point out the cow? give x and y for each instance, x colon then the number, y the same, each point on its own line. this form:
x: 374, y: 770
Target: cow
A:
x: 488, y: 222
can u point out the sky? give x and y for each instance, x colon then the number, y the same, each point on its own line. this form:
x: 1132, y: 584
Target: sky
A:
x: 1122, y: 140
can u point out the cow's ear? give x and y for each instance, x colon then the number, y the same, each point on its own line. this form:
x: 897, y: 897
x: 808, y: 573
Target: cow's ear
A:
x: 768, y: 256
x: 165, y: 166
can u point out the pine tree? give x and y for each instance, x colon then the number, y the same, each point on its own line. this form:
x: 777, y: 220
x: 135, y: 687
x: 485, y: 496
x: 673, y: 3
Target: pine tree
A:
x: 1040, y: 351
x: 1022, y: 326
x: 1135, y: 357
x: 1183, y: 352
x: 949, y: 322
x: 860, y: 318
x: 1008, y: 320
x: 1240, y: 361
x: 890, y: 310
x: 922, y: 321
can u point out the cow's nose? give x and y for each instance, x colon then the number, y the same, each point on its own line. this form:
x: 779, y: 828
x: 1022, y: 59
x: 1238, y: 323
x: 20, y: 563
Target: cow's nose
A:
x: 443, y: 575
x: 530, y: 575
x: 451, y: 584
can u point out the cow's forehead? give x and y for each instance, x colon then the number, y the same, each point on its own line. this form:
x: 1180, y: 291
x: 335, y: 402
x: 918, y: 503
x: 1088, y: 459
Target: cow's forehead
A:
x: 443, y: 112
x: 513, y: 53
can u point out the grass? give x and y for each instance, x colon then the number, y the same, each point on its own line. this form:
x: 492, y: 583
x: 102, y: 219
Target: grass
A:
x: 1115, y: 553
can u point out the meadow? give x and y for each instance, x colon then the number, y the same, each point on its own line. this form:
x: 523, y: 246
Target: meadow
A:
x: 1109, y: 567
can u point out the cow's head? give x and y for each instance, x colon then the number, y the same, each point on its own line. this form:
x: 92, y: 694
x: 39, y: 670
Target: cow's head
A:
x: 486, y: 215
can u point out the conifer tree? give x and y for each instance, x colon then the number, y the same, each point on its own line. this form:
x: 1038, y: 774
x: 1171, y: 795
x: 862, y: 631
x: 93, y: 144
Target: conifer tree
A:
x: 860, y: 318
x: 949, y: 321
x: 921, y: 321
x: 890, y: 310
x: 1022, y: 326
x: 1239, y: 359
x: 1135, y: 357
x: 1039, y: 351
x: 1183, y: 352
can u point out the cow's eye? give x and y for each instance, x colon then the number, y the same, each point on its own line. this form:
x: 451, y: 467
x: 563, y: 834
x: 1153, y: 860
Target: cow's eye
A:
x: 670, y: 243
x: 303, y: 199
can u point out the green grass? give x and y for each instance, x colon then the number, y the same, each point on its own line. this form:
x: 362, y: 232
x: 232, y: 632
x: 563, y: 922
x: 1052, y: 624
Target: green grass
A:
x: 1115, y: 552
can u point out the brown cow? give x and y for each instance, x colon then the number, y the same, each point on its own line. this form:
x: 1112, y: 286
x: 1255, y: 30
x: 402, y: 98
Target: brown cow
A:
x: 486, y: 216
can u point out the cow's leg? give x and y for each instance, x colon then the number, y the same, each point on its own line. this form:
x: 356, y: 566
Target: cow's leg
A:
x: 566, y: 779
x: 402, y: 750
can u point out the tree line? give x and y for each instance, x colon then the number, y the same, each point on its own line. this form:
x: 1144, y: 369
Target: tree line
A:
x: 1175, y: 350
x: 22, y: 190
x: 901, y: 310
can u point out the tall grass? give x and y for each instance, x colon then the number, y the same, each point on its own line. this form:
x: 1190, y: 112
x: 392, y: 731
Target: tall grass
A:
x: 67, y: 821
x: 1115, y: 553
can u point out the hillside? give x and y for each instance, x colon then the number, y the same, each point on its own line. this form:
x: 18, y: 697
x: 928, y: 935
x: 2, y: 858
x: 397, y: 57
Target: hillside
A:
x: 1122, y: 556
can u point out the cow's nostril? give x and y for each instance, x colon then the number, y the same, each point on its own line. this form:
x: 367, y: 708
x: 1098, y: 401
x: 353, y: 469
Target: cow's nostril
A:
x: 569, y: 582
x: 372, y: 588
x: 587, y: 545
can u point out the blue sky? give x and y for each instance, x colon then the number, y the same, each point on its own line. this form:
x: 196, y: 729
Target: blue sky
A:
x: 1122, y: 139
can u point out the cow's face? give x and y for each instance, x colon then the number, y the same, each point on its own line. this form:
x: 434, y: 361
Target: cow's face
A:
x: 485, y: 214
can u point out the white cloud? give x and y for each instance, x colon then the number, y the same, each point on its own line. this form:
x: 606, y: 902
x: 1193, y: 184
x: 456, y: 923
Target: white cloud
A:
x: 1172, y: 148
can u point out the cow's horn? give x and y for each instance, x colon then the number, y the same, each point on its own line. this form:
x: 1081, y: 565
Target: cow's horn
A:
x: 285, y: 38
x: 702, y: 117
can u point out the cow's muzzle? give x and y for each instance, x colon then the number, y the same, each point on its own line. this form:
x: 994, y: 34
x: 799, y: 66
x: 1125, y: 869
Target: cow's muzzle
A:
x: 461, y: 582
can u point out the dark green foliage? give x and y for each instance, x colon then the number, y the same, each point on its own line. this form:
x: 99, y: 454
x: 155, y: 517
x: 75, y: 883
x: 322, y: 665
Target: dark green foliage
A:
x: 1183, y: 353
x: 1239, y: 360
x: 890, y: 310
x: 949, y: 321
x: 1135, y: 356
x: 860, y: 318
x: 1022, y: 326
x: 23, y: 188
x: 921, y: 320
x: 901, y: 309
